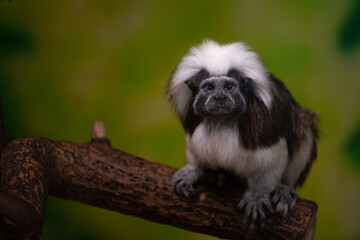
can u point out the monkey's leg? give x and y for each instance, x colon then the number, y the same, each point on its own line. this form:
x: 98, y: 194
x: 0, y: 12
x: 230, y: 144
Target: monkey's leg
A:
x: 184, y: 179
x: 257, y: 198
x: 284, y: 198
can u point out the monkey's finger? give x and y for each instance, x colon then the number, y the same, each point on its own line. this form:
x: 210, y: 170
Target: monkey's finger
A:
x: 286, y: 210
x: 179, y: 188
x: 177, y: 179
x: 189, y: 192
x: 293, y: 198
x: 282, y: 208
x: 247, y: 213
x: 289, y: 202
x: 275, y: 199
x: 254, y: 216
x: 175, y: 184
x: 293, y: 195
x: 254, y: 212
x: 241, y: 204
x: 269, y: 207
x: 262, y: 217
x: 292, y: 204
x: 252, y: 225
x: 183, y: 188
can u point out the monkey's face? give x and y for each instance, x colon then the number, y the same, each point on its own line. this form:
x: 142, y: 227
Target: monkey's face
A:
x: 219, y: 96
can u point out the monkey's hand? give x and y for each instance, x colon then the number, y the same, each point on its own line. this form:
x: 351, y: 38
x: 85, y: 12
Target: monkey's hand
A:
x: 255, y: 204
x: 184, y: 179
x: 284, y: 198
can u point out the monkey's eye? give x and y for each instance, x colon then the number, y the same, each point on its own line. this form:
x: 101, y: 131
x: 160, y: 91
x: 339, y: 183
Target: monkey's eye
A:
x: 229, y: 86
x: 209, y: 88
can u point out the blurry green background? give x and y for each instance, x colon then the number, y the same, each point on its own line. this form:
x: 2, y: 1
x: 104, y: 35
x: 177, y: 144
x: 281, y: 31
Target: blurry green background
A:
x: 64, y: 64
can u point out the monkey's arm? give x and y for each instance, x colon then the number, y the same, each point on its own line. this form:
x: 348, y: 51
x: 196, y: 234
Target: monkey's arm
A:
x: 184, y: 179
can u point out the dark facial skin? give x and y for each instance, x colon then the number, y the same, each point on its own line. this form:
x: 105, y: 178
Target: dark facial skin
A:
x: 219, y: 97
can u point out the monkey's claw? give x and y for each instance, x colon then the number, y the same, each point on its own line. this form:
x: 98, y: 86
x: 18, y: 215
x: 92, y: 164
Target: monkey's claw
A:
x: 284, y: 199
x: 255, y: 205
x: 184, y: 179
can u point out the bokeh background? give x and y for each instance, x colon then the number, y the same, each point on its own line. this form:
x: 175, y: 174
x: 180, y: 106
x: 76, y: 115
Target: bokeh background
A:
x: 66, y: 63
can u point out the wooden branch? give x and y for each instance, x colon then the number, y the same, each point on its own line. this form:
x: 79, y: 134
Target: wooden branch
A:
x: 3, y: 138
x: 94, y: 173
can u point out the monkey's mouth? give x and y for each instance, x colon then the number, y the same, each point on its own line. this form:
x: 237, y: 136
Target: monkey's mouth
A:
x: 212, y: 107
x: 220, y: 108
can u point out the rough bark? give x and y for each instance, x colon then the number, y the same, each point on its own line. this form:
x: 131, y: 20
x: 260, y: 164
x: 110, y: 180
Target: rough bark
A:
x: 95, y: 173
x: 3, y: 138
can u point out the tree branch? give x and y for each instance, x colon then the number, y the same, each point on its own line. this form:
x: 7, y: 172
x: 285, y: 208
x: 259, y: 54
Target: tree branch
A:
x: 3, y: 138
x: 95, y: 173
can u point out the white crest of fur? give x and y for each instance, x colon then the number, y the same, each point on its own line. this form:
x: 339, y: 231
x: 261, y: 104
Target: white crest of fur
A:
x: 218, y: 60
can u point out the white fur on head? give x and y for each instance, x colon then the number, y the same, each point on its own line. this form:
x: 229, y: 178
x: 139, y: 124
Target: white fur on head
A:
x: 218, y: 60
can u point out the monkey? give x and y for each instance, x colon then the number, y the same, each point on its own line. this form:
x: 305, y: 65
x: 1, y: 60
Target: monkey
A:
x: 238, y: 117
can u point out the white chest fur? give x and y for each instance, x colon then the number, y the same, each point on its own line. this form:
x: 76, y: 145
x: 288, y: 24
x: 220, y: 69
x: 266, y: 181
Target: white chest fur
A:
x: 220, y: 147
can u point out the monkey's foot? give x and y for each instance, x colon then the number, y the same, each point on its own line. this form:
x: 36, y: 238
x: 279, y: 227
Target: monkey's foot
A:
x: 255, y: 205
x: 284, y: 199
x: 184, y: 179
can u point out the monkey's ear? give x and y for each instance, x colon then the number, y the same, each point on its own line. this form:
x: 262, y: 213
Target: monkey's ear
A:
x: 194, y: 81
x: 191, y: 85
x: 235, y: 74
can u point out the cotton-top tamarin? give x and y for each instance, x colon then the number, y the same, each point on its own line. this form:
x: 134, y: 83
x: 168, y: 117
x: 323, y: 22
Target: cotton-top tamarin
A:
x: 239, y: 118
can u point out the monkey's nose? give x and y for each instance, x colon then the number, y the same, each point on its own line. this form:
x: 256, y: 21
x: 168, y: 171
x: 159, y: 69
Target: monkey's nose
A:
x: 220, y: 97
